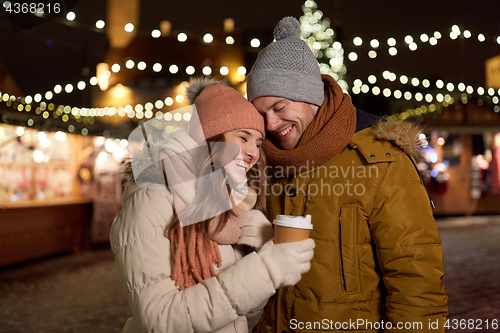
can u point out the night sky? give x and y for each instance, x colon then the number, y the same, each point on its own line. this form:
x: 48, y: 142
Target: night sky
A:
x: 40, y: 57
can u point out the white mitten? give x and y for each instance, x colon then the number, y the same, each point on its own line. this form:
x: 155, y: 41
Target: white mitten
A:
x: 287, y: 262
x: 255, y: 229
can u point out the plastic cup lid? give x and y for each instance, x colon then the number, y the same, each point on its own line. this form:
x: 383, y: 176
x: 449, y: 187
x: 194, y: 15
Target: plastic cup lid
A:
x: 300, y: 222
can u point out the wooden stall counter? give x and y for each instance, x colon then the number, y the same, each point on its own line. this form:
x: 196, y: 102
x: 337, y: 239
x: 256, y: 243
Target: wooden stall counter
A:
x: 34, y: 229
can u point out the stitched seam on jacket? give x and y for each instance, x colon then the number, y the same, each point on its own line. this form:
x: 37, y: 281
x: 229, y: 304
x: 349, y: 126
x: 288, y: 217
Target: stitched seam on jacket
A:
x: 143, y: 191
x: 130, y: 242
x: 369, y: 183
x: 189, y: 315
x: 405, y: 182
x: 138, y: 286
x: 419, y: 306
x: 226, y: 295
x: 375, y: 301
x: 407, y: 246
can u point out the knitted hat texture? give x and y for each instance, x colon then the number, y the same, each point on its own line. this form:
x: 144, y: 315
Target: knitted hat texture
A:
x: 221, y: 108
x: 286, y: 68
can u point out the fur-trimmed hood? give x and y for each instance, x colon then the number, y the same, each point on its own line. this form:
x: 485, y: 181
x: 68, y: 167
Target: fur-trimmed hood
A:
x: 146, y: 167
x: 402, y: 134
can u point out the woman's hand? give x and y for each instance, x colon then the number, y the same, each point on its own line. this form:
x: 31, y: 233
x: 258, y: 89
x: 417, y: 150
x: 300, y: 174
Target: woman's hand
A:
x: 287, y: 262
x: 256, y: 229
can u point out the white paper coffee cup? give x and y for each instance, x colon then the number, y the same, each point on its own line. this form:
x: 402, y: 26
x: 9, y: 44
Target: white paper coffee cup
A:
x: 300, y: 222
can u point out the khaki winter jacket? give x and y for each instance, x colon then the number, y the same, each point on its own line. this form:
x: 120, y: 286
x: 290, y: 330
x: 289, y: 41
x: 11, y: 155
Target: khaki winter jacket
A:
x: 230, y: 302
x: 378, y: 254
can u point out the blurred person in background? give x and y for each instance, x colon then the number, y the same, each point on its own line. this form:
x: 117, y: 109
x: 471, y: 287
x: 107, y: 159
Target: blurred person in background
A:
x: 195, y: 277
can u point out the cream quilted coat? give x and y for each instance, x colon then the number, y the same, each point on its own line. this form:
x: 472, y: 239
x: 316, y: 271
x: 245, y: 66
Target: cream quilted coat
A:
x: 230, y: 302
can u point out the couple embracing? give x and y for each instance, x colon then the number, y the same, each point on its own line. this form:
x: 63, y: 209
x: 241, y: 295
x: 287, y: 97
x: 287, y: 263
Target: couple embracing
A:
x: 204, y: 259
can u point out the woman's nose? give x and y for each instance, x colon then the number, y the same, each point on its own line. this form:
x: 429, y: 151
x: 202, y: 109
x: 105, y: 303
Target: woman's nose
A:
x: 252, y: 151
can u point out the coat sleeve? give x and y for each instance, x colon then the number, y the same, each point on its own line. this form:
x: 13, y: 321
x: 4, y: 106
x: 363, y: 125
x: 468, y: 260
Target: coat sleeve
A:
x: 143, y: 260
x: 408, y: 249
x: 253, y: 316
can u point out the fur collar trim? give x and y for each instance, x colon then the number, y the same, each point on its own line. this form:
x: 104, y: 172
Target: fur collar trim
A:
x: 402, y: 134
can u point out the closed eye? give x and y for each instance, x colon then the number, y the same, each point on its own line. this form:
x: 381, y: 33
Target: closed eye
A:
x: 259, y: 142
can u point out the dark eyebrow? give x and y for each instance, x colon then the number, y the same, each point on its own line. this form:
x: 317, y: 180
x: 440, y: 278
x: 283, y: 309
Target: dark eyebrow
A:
x: 248, y: 133
x: 281, y: 100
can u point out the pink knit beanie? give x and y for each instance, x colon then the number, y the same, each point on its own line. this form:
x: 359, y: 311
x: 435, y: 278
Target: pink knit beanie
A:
x: 221, y: 108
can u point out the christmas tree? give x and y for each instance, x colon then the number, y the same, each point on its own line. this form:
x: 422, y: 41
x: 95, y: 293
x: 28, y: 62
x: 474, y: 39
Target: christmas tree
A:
x: 316, y: 31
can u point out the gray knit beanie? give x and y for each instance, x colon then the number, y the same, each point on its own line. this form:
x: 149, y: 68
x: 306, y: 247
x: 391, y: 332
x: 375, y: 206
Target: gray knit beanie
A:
x: 286, y: 68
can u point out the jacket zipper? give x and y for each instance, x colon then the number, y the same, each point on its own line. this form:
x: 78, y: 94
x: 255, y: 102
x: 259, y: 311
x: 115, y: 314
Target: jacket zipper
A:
x: 340, y: 248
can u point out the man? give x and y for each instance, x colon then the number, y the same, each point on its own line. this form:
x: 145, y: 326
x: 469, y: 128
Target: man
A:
x: 378, y: 262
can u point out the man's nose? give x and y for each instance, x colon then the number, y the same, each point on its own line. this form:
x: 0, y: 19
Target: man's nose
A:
x: 272, y: 122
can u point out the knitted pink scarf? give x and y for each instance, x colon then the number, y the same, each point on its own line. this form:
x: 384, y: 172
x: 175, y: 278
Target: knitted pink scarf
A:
x: 193, y: 258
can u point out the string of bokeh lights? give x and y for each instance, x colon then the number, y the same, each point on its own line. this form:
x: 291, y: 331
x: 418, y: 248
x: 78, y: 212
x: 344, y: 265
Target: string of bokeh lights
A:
x: 128, y: 110
x: 466, y: 91
x: 315, y: 44
x: 429, y: 110
x: 207, y: 38
x: 140, y: 111
x: 454, y: 33
x: 146, y: 110
x: 437, y: 101
x: 24, y: 103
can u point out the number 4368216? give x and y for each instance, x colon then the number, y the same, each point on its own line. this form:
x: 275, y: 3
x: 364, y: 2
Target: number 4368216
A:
x: 476, y: 324
x: 32, y: 8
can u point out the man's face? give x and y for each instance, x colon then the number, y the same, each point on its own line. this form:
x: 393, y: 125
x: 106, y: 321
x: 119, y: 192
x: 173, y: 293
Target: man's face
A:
x: 285, y: 119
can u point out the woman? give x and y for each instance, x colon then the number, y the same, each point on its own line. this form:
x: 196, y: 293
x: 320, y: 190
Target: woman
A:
x: 179, y: 257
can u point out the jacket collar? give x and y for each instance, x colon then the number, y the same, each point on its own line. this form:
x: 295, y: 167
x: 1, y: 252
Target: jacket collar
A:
x: 402, y: 134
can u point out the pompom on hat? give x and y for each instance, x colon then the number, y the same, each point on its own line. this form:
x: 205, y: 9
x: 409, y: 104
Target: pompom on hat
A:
x: 286, y: 68
x: 221, y: 109
x: 288, y: 26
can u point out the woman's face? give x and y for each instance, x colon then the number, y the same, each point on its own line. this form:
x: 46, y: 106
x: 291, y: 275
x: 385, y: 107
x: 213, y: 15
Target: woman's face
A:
x: 249, y: 142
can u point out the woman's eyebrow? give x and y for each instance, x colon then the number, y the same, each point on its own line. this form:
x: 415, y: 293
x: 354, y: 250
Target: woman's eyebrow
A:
x: 248, y: 133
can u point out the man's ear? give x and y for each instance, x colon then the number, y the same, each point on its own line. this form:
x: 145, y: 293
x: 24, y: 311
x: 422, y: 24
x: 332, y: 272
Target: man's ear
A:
x: 314, y: 108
